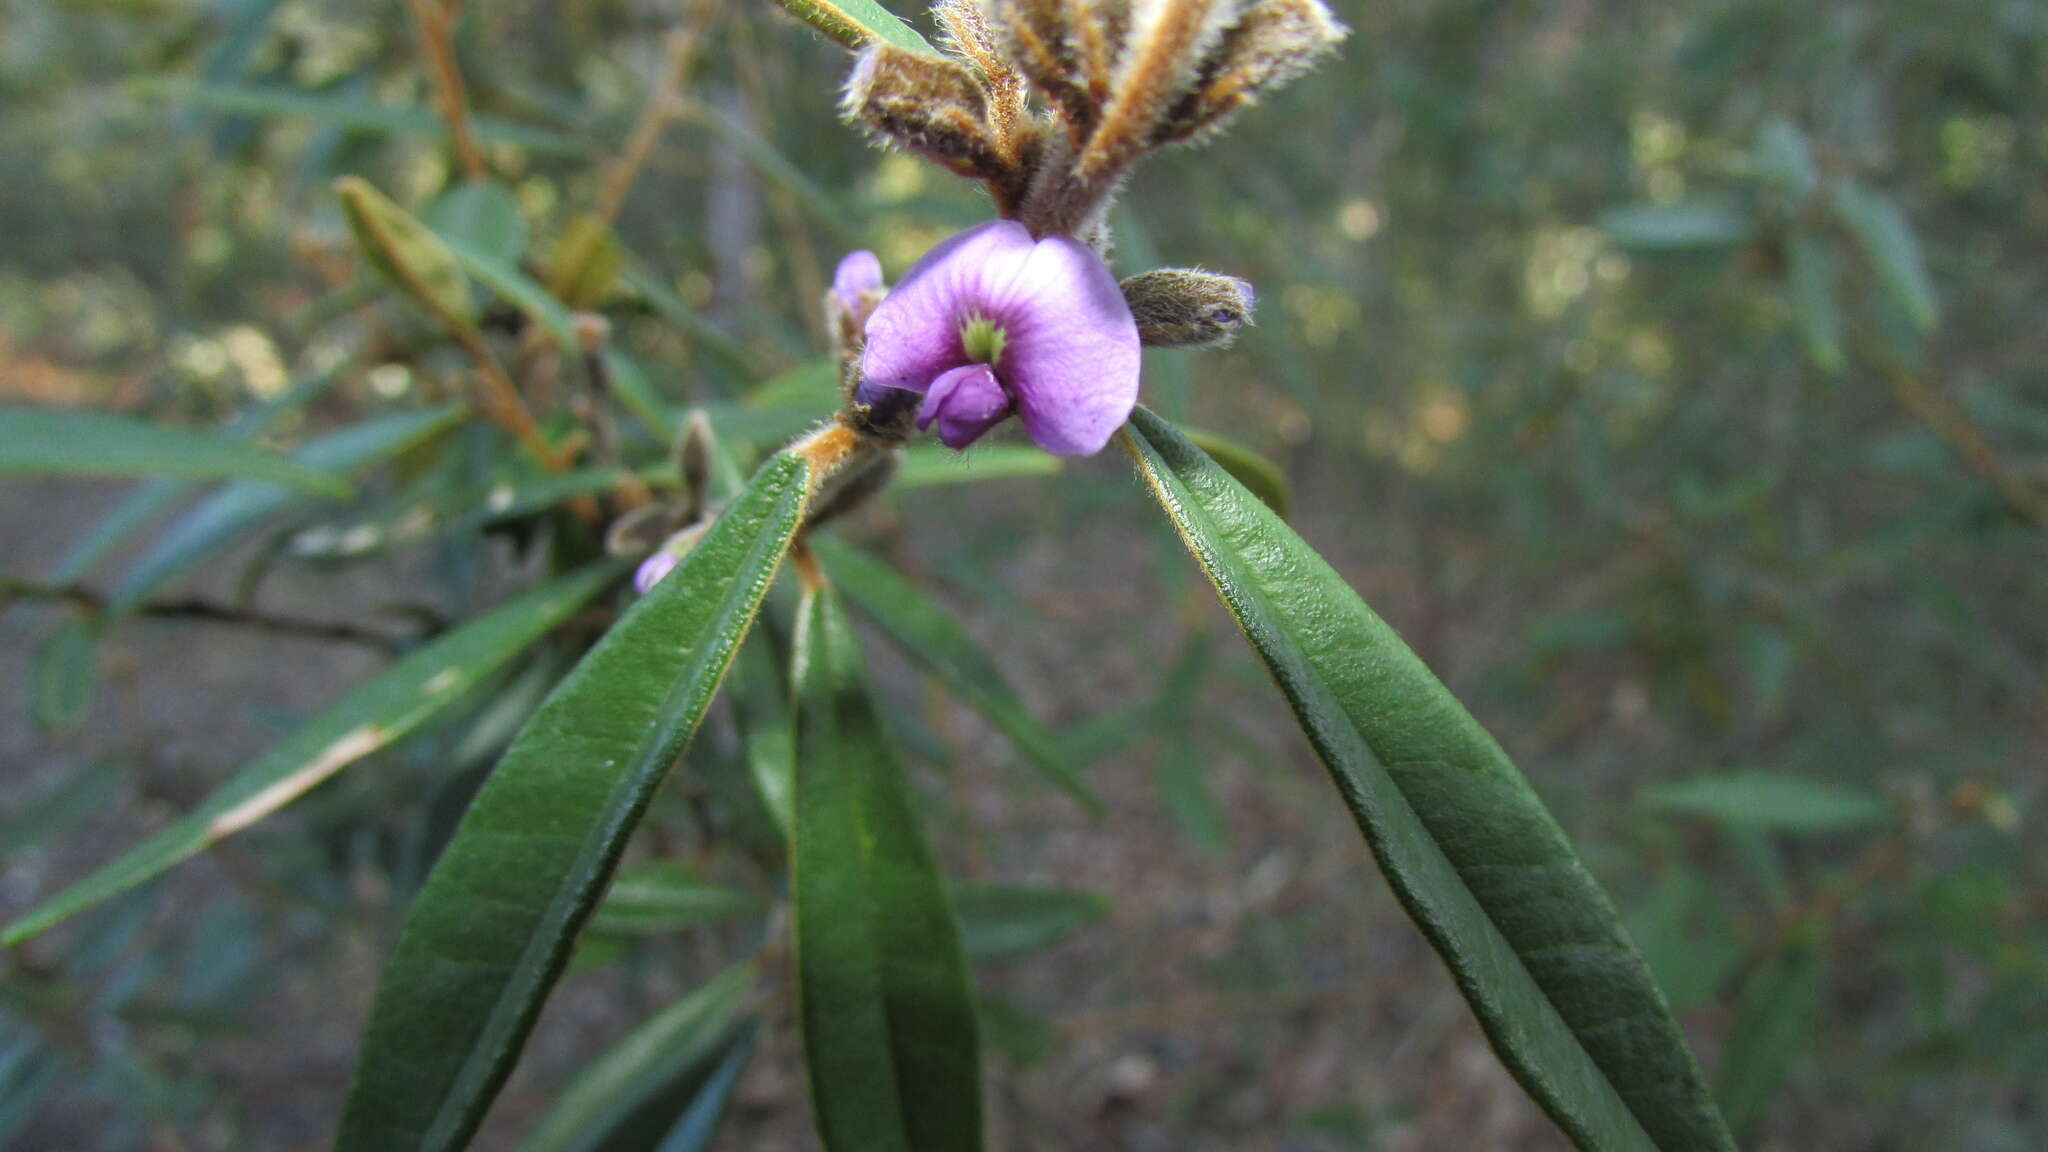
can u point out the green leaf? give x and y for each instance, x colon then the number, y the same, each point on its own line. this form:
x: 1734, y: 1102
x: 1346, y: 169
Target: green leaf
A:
x: 70, y: 442
x: 699, y: 1123
x: 931, y: 636
x: 1774, y: 1023
x: 155, y: 496
x: 1260, y: 475
x: 223, y: 517
x: 1688, y: 942
x: 887, y: 1008
x: 1479, y: 863
x: 1810, y: 278
x: 584, y: 265
x: 657, y: 295
x: 517, y: 289
x: 998, y: 921
x: 482, y: 214
x: 778, y: 169
x: 383, y: 709
x: 406, y: 253
x: 1675, y: 227
x: 353, y: 113
x: 855, y: 23
x: 1880, y: 229
x: 439, y: 506
x: 66, y: 669
x: 760, y: 703
x: 631, y: 1095
x: 666, y: 896
x: 493, y: 926
x: 630, y: 385
x: 80, y: 794
x: 1024, y: 1037
x: 1770, y: 801
x: 1784, y: 158
x: 926, y: 465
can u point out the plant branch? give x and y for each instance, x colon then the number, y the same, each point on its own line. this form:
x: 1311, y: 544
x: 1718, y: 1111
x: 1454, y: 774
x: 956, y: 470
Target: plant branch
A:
x: 432, y: 20
x: 664, y: 104
x: 1954, y: 428
x: 87, y: 600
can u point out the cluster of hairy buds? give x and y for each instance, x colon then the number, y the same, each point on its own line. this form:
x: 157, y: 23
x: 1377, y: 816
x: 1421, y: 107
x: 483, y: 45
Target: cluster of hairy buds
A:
x: 1112, y: 80
x: 1049, y: 103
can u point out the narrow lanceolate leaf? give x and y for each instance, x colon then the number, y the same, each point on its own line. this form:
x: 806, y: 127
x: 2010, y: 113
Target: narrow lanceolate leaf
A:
x: 352, y: 113
x: 223, y: 517
x: 1675, y: 227
x: 1880, y: 229
x: 633, y: 1094
x: 1532, y: 941
x: 667, y: 896
x: 384, y: 709
x: 998, y: 921
x: 887, y: 1010
x: 855, y: 23
x: 75, y: 443
x: 760, y: 705
x: 65, y: 673
x: 932, y: 637
x: 1774, y: 1025
x: 1770, y: 801
x: 515, y: 288
x: 493, y: 926
x: 152, y: 498
x: 698, y: 1125
x: 1810, y: 282
x: 926, y: 465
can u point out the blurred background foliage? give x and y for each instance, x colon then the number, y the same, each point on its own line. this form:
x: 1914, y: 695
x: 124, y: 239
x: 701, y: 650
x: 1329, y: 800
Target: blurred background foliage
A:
x: 1675, y: 377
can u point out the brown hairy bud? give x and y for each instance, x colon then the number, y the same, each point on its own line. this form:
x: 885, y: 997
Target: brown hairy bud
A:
x: 1273, y: 43
x: 1167, y: 43
x: 1187, y: 307
x: 969, y: 37
x: 1163, y: 49
x: 931, y: 105
x: 1034, y: 36
x: 693, y: 462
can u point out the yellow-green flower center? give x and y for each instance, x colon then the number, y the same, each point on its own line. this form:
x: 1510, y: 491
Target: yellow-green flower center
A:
x: 982, y: 339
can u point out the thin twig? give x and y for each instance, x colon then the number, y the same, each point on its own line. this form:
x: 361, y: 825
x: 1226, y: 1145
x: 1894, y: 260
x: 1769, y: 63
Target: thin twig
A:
x: 92, y: 602
x: 789, y: 214
x: 502, y: 401
x: 1949, y: 423
x: 664, y: 103
x: 432, y: 20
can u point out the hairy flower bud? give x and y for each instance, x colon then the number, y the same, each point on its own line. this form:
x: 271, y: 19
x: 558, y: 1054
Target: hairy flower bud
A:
x: 1272, y: 43
x: 931, y: 105
x: 1039, y: 39
x: 1164, y: 46
x: 1187, y: 307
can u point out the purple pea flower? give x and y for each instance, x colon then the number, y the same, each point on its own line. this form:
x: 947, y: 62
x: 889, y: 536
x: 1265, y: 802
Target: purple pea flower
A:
x: 992, y: 322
